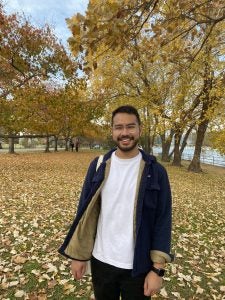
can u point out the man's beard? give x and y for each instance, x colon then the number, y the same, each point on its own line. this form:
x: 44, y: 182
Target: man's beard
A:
x: 128, y: 148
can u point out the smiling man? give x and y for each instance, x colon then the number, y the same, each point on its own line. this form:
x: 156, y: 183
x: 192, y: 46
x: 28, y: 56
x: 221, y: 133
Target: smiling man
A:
x: 123, y: 222
x: 126, y: 132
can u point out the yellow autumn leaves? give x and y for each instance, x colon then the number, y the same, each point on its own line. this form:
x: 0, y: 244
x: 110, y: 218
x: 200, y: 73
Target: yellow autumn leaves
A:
x: 38, y: 199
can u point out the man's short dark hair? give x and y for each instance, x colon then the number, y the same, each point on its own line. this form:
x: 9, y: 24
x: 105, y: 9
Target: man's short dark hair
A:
x: 128, y: 109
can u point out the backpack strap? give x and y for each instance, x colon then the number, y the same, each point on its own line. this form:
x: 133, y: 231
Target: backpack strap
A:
x: 100, y: 160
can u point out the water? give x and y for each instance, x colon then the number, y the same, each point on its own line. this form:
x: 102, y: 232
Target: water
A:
x: 208, y: 155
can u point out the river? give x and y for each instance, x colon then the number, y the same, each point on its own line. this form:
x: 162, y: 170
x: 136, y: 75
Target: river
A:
x: 208, y: 155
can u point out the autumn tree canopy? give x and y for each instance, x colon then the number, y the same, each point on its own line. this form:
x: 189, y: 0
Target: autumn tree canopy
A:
x: 29, y: 54
x: 40, y: 91
x: 118, y: 23
x: 166, y: 58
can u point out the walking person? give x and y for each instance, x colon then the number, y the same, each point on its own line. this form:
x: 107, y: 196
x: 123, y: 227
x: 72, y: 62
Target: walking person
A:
x: 123, y: 221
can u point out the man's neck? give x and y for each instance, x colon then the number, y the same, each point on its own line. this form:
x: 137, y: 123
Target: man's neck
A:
x: 127, y: 154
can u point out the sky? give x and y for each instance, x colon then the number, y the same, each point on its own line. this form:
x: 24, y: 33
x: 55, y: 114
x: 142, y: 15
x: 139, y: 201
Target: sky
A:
x: 53, y: 12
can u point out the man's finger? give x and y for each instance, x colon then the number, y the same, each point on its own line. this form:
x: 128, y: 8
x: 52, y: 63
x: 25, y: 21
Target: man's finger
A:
x: 147, y: 290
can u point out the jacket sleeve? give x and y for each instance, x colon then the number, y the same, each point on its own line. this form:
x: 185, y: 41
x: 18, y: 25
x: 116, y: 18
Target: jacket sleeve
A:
x: 86, y: 189
x: 161, y: 240
x: 81, y: 206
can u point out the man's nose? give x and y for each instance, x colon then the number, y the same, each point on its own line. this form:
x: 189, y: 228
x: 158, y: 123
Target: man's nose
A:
x: 124, y: 130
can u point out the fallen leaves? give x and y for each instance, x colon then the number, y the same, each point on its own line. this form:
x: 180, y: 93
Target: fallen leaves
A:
x: 39, y: 194
x: 38, y: 201
x: 19, y: 259
x: 19, y: 294
x: 198, y: 234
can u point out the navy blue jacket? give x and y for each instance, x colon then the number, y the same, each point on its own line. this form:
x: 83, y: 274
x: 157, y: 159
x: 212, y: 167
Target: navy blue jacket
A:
x: 153, y: 211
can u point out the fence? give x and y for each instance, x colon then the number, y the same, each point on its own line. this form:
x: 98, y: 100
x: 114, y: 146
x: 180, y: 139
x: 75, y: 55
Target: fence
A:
x: 208, y: 156
x: 206, y: 159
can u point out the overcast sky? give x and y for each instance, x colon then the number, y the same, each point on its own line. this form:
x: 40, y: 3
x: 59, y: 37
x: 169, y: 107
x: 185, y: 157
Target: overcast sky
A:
x: 53, y: 12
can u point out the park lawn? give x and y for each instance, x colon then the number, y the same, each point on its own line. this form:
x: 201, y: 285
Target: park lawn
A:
x: 39, y: 193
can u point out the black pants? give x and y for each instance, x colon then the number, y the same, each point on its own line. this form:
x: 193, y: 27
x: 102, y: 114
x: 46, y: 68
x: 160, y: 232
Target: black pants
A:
x: 110, y: 283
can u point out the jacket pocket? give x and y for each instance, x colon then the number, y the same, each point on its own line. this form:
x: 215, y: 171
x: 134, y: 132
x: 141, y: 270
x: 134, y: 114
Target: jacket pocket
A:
x: 151, y: 196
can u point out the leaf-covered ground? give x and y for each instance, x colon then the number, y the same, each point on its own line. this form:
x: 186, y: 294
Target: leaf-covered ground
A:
x: 38, y: 197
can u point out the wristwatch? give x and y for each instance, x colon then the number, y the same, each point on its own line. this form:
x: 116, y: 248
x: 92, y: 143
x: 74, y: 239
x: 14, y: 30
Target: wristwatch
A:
x: 159, y: 272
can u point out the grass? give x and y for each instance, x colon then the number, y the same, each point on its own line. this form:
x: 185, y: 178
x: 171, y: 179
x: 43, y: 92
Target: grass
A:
x: 38, y: 199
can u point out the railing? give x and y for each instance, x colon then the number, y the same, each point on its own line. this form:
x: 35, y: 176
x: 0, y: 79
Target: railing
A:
x: 205, y: 159
x: 208, y: 156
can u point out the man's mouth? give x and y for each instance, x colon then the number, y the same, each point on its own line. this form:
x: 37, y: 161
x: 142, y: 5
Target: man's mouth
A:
x: 125, y: 139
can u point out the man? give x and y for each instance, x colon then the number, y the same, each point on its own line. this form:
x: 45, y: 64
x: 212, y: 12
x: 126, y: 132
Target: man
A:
x: 123, y: 222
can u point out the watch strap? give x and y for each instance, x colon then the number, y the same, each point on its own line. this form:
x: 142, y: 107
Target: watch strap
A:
x: 159, y: 272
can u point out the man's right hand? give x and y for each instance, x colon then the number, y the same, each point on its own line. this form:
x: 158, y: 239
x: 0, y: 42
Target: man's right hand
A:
x: 78, y: 268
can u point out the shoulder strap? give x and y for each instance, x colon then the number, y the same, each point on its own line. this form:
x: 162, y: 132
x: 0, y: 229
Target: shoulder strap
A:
x: 100, y: 160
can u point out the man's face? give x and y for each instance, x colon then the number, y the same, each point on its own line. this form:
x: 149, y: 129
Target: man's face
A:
x: 125, y: 131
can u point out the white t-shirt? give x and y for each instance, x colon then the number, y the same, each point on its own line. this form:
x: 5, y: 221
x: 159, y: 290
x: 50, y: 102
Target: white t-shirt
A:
x: 114, y: 243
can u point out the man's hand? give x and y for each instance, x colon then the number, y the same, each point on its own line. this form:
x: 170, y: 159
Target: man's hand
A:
x: 153, y: 284
x: 78, y: 268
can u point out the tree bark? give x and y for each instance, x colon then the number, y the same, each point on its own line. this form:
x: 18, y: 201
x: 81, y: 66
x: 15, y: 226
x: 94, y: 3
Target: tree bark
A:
x: 11, y: 146
x: 207, y: 102
x: 151, y: 144
x: 47, y: 145
x: 166, y: 143
x: 184, y: 142
x: 67, y: 144
x: 195, y: 165
x: 146, y: 143
x: 165, y: 151
x: 56, y: 143
x: 178, y: 150
x: 177, y: 154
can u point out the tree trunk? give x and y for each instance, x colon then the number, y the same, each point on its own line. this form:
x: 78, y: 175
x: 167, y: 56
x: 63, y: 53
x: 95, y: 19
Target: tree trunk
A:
x: 151, y: 144
x: 146, y: 143
x: 166, y: 143
x: 47, y: 144
x: 195, y: 165
x: 171, y: 154
x: 165, y: 151
x: 56, y: 143
x: 67, y: 144
x: 177, y: 154
x: 11, y: 146
x: 184, y: 142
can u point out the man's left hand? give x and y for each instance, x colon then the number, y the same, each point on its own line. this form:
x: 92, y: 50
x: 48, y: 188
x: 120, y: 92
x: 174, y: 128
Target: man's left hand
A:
x: 153, y: 284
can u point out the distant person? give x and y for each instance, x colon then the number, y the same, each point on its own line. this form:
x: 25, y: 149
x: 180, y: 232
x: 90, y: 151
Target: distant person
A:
x: 123, y: 221
x: 72, y: 145
x: 0, y: 145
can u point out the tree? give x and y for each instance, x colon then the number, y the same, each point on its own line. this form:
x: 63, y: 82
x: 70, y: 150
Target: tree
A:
x: 116, y: 24
x: 218, y: 140
x: 213, y: 69
x: 173, y: 34
x: 29, y: 56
